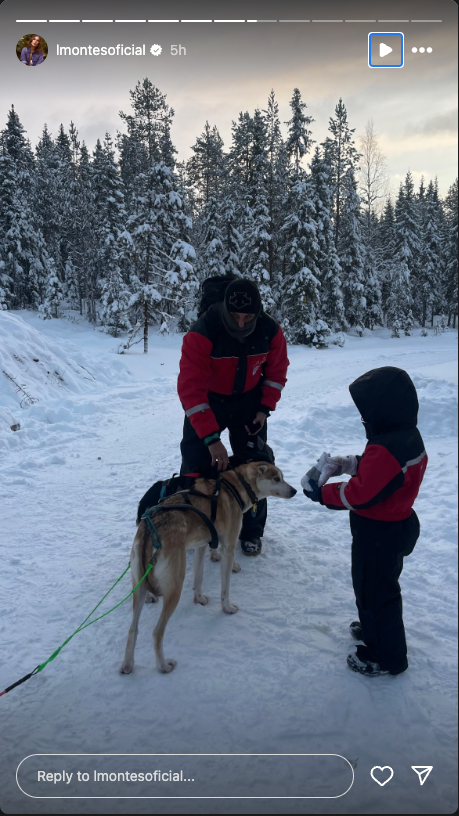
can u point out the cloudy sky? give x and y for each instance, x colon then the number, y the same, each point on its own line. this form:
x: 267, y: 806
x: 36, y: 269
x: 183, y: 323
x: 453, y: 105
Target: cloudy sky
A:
x: 231, y: 67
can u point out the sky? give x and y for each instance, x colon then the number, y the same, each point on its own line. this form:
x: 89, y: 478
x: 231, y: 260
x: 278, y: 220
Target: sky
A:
x: 232, y: 67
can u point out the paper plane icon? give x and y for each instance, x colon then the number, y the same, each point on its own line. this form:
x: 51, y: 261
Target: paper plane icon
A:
x: 422, y: 771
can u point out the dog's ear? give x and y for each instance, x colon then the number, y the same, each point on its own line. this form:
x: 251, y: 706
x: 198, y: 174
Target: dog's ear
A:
x: 261, y: 469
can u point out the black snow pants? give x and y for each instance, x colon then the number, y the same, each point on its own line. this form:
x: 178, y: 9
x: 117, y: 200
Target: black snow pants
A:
x: 378, y: 550
x: 233, y: 413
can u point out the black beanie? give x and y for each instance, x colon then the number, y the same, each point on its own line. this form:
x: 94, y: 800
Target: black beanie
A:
x: 243, y: 296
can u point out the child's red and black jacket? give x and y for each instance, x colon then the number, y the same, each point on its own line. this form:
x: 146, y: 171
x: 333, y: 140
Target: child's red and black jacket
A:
x: 212, y: 362
x: 392, y: 467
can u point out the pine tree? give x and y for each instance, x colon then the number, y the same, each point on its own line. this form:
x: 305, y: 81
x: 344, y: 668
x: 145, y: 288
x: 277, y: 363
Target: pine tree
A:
x: 114, y: 305
x: 182, y: 282
x: 400, y: 300
x: 82, y: 248
x: 409, y: 246
x: 300, y: 289
x: 53, y: 294
x: 451, y: 253
x: 350, y: 252
x: 299, y: 140
x: 49, y: 216
x: 241, y: 155
x: 205, y: 167
x: 386, y: 236
x: 257, y: 220
x: 341, y: 155
x: 70, y: 287
x: 256, y: 246
x: 158, y: 219
x: 159, y: 229
x: 328, y: 265
x: 371, y: 274
x: 22, y: 249
x: 133, y: 161
x: 65, y: 198
x: 212, y: 253
x: 428, y: 289
x: 4, y: 288
x: 205, y: 172
x: 18, y: 147
x: 8, y: 263
x: 277, y: 175
x: 150, y: 123
x: 110, y: 213
x: 232, y: 237
x: 408, y: 323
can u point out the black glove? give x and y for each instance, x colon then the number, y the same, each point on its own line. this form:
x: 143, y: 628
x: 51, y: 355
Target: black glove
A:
x: 315, y: 494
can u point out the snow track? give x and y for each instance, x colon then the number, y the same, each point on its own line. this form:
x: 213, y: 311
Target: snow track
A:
x: 271, y: 679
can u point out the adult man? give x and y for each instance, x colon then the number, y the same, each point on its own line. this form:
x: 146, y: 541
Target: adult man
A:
x: 232, y: 371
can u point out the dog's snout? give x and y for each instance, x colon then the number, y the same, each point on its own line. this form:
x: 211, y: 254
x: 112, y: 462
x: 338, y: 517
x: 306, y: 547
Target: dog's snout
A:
x: 293, y: 492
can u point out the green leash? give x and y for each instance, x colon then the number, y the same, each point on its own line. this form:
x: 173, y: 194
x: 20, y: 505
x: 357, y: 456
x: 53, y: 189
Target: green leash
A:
x: 156, y: 541
x: 82, y: 626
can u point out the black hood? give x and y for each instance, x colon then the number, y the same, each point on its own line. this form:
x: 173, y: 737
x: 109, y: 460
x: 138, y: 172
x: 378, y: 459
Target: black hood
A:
x: 387, y: 400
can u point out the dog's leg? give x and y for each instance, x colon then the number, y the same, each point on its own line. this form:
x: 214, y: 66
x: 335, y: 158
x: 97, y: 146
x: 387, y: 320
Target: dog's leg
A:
x: 226, y: 568
x: 171, y: 582
x: 198, y: 567
x: 215, y: 555
x: 138, y: 600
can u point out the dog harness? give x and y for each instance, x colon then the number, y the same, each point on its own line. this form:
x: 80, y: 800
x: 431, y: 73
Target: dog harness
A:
x: 187, y: 505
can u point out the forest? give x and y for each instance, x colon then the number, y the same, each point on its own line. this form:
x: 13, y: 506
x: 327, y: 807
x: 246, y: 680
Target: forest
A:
x: 126, y: 234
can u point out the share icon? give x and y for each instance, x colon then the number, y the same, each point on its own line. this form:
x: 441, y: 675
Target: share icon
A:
x: 422, y: 771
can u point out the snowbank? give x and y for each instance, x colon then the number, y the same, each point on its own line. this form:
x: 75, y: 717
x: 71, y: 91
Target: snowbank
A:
x: 40, y: 377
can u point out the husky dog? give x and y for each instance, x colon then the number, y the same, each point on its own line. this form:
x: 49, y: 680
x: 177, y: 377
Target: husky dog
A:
x: 182, y: 530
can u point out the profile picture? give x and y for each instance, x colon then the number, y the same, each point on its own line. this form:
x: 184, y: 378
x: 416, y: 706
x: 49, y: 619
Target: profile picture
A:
x: 32, y: 50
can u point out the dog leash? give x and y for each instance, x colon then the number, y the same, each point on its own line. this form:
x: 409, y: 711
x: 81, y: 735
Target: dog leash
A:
x: 80, y: 628
x: 156, y: 541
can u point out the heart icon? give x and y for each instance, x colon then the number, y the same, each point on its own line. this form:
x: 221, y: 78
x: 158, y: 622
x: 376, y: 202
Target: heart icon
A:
x: 384, y: 768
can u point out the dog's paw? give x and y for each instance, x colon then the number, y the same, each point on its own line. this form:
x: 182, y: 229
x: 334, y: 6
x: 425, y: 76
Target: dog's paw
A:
x: 126, y: 668
x: 201, y: 599
x: 151, y: 598
x: 215, y: 555
x: 236, y: 567
x: 230, y: 609
x: 167, y: 665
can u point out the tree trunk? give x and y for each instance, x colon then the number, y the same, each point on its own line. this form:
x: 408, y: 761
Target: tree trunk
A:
x: 145, y: 329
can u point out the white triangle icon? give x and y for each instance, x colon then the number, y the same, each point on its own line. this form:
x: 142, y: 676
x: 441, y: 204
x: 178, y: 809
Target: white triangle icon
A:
x: 384, y: 50
x: 422, y: 771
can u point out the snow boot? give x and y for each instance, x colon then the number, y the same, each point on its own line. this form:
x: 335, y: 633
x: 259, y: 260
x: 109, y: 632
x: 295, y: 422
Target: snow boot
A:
x: 366, y: 662
x: 364, y: 666
x: 252, y: 547
x: 356, y: 630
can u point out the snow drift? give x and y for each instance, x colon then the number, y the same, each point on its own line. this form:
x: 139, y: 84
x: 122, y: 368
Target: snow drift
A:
x: 39, y: 379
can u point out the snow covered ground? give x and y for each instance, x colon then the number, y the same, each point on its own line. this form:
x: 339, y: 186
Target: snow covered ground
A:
x: 273, y: 678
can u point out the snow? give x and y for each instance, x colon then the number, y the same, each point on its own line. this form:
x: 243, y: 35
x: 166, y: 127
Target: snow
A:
x: 271, y: 679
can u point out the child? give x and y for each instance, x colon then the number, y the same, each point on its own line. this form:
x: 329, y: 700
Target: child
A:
x: 385, y: 528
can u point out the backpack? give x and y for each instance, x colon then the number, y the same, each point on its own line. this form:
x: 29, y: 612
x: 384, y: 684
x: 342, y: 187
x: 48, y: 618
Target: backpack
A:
x: 159, y: 491
x: 213, y: 291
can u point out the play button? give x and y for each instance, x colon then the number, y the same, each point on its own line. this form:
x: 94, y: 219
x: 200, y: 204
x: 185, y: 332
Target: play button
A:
x: 384, y: 49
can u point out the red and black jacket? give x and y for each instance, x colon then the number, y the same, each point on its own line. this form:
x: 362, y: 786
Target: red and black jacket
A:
x: 214, y: 362
x: 392, y: 467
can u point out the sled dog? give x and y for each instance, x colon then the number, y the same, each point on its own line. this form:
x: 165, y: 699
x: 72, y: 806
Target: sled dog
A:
x: 182, y: 530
